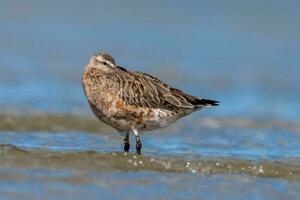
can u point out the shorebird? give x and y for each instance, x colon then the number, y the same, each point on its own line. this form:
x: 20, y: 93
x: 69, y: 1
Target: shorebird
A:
x: 134, y: 101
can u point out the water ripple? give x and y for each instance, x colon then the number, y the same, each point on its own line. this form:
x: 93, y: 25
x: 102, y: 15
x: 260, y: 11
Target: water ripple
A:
x: 12, y: 156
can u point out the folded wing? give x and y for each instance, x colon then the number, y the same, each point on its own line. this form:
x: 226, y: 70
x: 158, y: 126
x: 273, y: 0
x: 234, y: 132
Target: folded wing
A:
x: 143, y: 90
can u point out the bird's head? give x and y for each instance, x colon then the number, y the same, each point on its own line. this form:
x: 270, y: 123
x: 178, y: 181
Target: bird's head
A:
x: 102, y: 61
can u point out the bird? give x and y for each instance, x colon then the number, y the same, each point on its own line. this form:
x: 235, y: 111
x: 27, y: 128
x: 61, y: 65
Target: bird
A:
x: 132, y: 101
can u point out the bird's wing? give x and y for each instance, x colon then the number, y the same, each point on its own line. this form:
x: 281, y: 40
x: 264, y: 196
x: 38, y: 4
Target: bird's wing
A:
x: 144, y: 90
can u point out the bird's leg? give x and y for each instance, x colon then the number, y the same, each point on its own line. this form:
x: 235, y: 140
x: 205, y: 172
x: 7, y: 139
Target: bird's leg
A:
x: 138, y: 141
x: 126, y: 142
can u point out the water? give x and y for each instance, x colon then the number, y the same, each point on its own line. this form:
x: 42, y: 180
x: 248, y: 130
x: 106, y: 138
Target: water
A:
x: 243, y: 54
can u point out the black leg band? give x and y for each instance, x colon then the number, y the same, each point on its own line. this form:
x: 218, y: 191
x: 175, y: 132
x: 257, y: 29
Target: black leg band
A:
x: 138, y: 145
x: 126, y: 144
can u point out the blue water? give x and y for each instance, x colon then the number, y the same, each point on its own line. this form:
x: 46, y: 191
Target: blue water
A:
x: 242, y: 53
x: 233, y: 52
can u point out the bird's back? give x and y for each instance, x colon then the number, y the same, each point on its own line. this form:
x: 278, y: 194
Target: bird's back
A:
x: 126, y: 99
x: 144, y: 90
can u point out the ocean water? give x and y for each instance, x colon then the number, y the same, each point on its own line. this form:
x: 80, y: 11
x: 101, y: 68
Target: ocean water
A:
x: 242, y: 53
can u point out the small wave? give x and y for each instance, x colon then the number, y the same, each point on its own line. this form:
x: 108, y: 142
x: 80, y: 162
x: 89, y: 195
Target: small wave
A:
x: 50, y: 122
x: 12, y: 156
x: 70, y: 122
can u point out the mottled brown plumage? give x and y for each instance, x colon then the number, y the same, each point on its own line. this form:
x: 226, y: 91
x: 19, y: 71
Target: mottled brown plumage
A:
x: 134, y: 101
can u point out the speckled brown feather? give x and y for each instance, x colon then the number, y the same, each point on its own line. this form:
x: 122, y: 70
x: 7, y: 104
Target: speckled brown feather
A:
x: 127, y: 100
x: 144, y: 90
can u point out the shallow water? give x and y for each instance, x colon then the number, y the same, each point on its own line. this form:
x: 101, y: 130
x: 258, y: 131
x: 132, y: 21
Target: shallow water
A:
x: 76, y: 156
x: 242, y: 53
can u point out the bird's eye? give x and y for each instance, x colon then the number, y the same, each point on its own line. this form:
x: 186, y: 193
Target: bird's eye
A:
x: 104, y: 63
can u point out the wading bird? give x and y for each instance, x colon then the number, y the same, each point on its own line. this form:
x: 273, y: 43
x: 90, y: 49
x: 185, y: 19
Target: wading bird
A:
x: 134, y: 101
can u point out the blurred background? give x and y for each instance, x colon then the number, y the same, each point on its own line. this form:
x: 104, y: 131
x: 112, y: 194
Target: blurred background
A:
x: 243, y: 53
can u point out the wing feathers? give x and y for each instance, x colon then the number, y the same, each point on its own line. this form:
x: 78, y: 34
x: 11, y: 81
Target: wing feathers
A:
x: 144, y: 90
